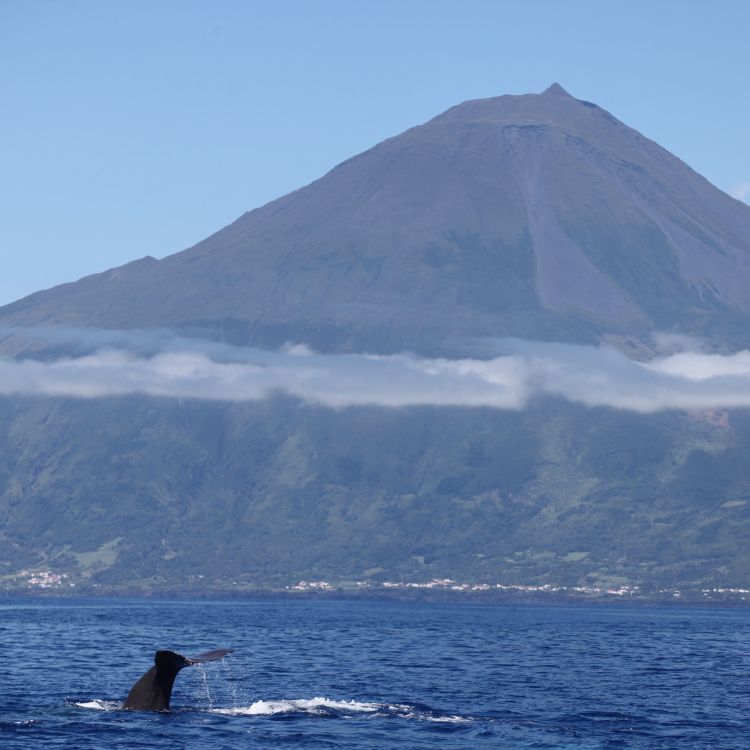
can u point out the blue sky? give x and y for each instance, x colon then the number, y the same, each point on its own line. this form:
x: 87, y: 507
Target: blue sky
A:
x: 138, y: 127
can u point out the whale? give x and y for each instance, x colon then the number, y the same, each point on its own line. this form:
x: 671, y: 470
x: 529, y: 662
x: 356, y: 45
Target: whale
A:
x: 153, y: 691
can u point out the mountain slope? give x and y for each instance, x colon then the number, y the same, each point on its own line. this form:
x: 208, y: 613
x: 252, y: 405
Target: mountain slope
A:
x: 537, y: 216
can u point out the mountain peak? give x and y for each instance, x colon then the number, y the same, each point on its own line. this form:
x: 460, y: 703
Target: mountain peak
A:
x: 532, y: 215
x: 554, y: 106
x: 555, y: 90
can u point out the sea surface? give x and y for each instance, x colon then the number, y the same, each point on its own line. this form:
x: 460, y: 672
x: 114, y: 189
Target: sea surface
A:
x: 357, y: 674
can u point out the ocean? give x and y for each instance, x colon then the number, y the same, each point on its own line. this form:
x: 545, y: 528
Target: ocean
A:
x: 323, y: 673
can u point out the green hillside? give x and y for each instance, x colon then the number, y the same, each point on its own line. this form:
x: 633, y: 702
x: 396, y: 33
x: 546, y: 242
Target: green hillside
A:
x: 144, y: 491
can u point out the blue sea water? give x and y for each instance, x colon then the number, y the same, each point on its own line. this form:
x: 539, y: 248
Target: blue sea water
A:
x: 357, y: 674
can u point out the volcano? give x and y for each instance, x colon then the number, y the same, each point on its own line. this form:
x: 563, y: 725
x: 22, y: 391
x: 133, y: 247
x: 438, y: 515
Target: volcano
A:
x: 537, y: 217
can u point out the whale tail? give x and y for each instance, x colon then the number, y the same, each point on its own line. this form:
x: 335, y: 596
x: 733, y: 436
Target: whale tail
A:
x: 153, y: 691
x: 220, y: 653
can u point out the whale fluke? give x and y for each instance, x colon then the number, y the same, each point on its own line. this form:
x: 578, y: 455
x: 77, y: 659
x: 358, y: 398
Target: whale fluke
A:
x: 220, y: 653
x: 153, y: 691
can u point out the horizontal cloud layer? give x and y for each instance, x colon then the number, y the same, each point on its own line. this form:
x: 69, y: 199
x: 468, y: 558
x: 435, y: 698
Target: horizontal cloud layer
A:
x: 185, y: 368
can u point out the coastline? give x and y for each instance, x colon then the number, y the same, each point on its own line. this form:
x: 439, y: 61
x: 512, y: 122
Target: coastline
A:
x: 155, y: 592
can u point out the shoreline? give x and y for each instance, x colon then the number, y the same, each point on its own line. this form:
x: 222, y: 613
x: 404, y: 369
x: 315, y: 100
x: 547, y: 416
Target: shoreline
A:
x: 373, y: 594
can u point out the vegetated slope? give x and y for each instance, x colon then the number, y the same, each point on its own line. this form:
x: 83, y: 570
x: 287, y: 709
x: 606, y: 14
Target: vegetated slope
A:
x: 538, y: 216
x: 158, y: 492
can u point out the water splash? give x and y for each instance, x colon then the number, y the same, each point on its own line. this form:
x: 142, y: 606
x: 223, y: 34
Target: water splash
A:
x: 229, y: 682
x: 202, y: 672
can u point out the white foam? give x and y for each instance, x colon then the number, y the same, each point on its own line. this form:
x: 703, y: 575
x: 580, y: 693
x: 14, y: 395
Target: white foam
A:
x: 305, y: 705
x: 321, y: 705
x: 101, y: 705
x: 311, y: 706
x: 438, y: 719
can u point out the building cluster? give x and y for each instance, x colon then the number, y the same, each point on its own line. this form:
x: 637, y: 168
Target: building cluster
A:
x: 448, y: 584
x: 723, y: 591
x: 312, y: 586
x: 48, y: 579
x: 44, y: 579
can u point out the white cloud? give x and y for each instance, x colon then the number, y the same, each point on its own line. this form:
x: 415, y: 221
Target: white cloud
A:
x: 741, y: 192
x: 184, y: 368
x: 672, y: 343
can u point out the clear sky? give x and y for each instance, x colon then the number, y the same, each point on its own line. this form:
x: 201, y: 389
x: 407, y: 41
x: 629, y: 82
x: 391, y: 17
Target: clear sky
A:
x: 138, y: 127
